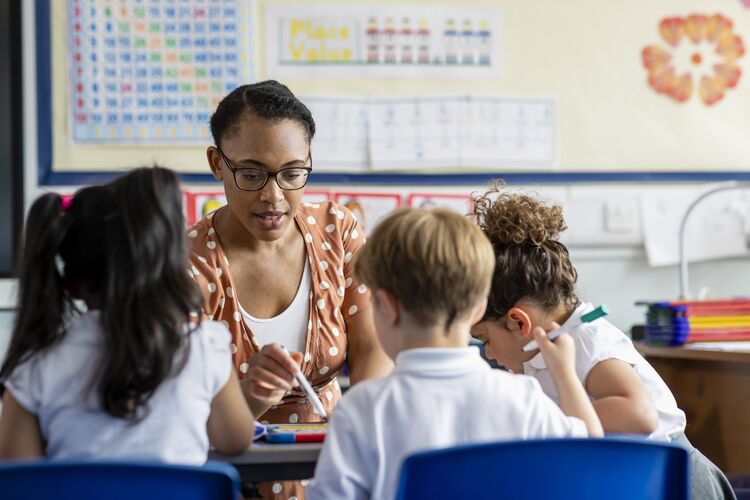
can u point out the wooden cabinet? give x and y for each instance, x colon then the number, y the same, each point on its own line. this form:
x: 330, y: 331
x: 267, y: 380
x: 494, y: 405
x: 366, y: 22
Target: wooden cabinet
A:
x: 713, y: 388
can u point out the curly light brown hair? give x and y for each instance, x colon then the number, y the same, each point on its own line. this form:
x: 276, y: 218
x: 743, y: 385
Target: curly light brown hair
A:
x: 530, y: 261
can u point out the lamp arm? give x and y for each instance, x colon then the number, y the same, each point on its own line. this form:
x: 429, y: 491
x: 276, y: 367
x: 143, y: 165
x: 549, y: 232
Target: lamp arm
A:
x: 724, y: 186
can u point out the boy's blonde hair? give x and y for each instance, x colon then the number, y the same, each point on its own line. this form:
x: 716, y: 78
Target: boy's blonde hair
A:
x: 437, y: 263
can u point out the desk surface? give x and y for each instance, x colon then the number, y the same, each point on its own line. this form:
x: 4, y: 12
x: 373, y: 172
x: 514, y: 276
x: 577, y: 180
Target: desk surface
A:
x: 265, y: 453
x: 274, y: 462
x: 696, y: 354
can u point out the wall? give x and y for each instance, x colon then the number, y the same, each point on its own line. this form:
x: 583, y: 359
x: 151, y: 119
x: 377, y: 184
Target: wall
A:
x: 611, y: 262
x: 585, y: 54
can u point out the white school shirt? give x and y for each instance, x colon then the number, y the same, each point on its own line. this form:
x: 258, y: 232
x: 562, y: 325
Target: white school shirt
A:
x: 53, y: 385
x: 600, y: 341
x: 289, y: 328
x: 434, y: 398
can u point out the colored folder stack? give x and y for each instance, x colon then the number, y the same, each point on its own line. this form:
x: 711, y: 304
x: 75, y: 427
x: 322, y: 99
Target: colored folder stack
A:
x: 677, y: 323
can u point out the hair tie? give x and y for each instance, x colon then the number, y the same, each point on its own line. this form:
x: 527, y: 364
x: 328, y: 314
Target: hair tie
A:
x: 65, y: 203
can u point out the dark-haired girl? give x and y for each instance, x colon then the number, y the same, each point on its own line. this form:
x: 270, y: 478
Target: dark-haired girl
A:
x: 133, y: 374
x: 534, y: 286
x: 278, y: 271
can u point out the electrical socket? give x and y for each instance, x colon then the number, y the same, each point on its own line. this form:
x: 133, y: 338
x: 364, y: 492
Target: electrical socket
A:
x: 621, y: 216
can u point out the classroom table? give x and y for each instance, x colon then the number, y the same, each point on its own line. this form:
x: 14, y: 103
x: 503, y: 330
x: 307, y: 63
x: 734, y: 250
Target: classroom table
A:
x: 713, y: 388
x: 274, y: 462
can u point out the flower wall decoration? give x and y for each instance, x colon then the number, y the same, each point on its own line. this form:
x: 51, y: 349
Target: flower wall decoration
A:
x: 701, y: 51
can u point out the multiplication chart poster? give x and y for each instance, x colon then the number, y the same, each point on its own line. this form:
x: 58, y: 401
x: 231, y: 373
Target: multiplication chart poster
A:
x: 383, y: 40
x: 150, y: 71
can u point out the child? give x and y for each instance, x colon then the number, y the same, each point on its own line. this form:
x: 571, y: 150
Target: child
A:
x: 133, y: 376
x: 429, y: 273
x: 534, y: 285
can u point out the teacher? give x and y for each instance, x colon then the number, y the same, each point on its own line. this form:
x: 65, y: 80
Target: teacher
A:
x: 276, y: 271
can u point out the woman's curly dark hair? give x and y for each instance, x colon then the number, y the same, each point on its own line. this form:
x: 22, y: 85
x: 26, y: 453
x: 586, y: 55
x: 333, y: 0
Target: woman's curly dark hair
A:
x: 531, y: 263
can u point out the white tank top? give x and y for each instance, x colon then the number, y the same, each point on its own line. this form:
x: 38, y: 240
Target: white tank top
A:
x: 290, y: 327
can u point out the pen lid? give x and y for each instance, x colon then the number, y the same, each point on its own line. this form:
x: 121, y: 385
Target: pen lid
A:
x: 595, y: 314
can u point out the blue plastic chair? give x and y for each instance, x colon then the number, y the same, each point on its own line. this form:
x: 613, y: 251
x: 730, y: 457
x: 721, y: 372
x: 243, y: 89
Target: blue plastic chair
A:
x: 65, y: 480
x: 581, y: 469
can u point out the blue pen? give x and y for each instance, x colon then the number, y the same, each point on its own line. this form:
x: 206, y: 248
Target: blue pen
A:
x: 569, y: 326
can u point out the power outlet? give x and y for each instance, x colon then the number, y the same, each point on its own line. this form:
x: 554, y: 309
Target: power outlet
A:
x: 621, y: 216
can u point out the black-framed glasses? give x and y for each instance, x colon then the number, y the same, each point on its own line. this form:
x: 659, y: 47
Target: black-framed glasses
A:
x: 255, y: 179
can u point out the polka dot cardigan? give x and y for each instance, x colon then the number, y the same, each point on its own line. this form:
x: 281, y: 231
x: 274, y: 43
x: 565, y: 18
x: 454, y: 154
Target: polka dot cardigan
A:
x: 332, y: 236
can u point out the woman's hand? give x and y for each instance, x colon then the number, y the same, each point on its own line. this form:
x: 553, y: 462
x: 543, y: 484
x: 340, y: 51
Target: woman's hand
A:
x: 270, y: 376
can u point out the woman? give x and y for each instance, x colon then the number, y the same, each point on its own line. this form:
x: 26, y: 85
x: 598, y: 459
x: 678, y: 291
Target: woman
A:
x: 278, y: 271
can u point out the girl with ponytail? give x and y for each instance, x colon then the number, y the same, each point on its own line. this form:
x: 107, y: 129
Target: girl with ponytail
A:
x: 533, y: 286
x: 107, y: 358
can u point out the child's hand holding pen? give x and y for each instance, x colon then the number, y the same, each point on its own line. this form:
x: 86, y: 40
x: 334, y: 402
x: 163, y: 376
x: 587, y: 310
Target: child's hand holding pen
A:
x: 559, y: 356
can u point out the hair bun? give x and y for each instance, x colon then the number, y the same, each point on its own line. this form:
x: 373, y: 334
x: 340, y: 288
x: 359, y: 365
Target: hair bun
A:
x: 517, y: 219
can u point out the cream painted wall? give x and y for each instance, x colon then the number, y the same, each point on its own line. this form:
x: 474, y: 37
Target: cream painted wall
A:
x: 584, y: 53
x: 613, y: 269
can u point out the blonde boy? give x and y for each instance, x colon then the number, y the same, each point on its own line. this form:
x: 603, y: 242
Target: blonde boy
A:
x: 429, y: 271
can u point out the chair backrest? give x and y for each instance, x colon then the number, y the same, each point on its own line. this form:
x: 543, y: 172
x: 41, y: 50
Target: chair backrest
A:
x: 63, y: 480
x: 581, y: 469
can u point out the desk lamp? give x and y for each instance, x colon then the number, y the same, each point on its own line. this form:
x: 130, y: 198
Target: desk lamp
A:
x: 724, y: 186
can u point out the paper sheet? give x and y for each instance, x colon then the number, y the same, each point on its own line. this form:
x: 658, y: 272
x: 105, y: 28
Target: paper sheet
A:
x: 453, y: 132
x: 713, y: 230
x: 517, y: 132
x: 459, y: 203
x: 313, y: 196
x: 738, y: 346
x: 415, y: 132
x: 369, y: 208
x: 340, y: 140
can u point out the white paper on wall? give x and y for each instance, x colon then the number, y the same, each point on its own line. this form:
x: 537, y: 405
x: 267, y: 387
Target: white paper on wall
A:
x: 369, y: 208
x: 459, y: 203
x: 462, y: 131
x: 713, y: 230
x: 340, y: 140
x: 415, y: 132
x: 516, y: 131
x: 312, y: 196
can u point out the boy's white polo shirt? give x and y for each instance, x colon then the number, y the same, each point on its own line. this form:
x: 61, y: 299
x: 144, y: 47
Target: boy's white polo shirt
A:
x: 599, y: 341
x: 434, y: 398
